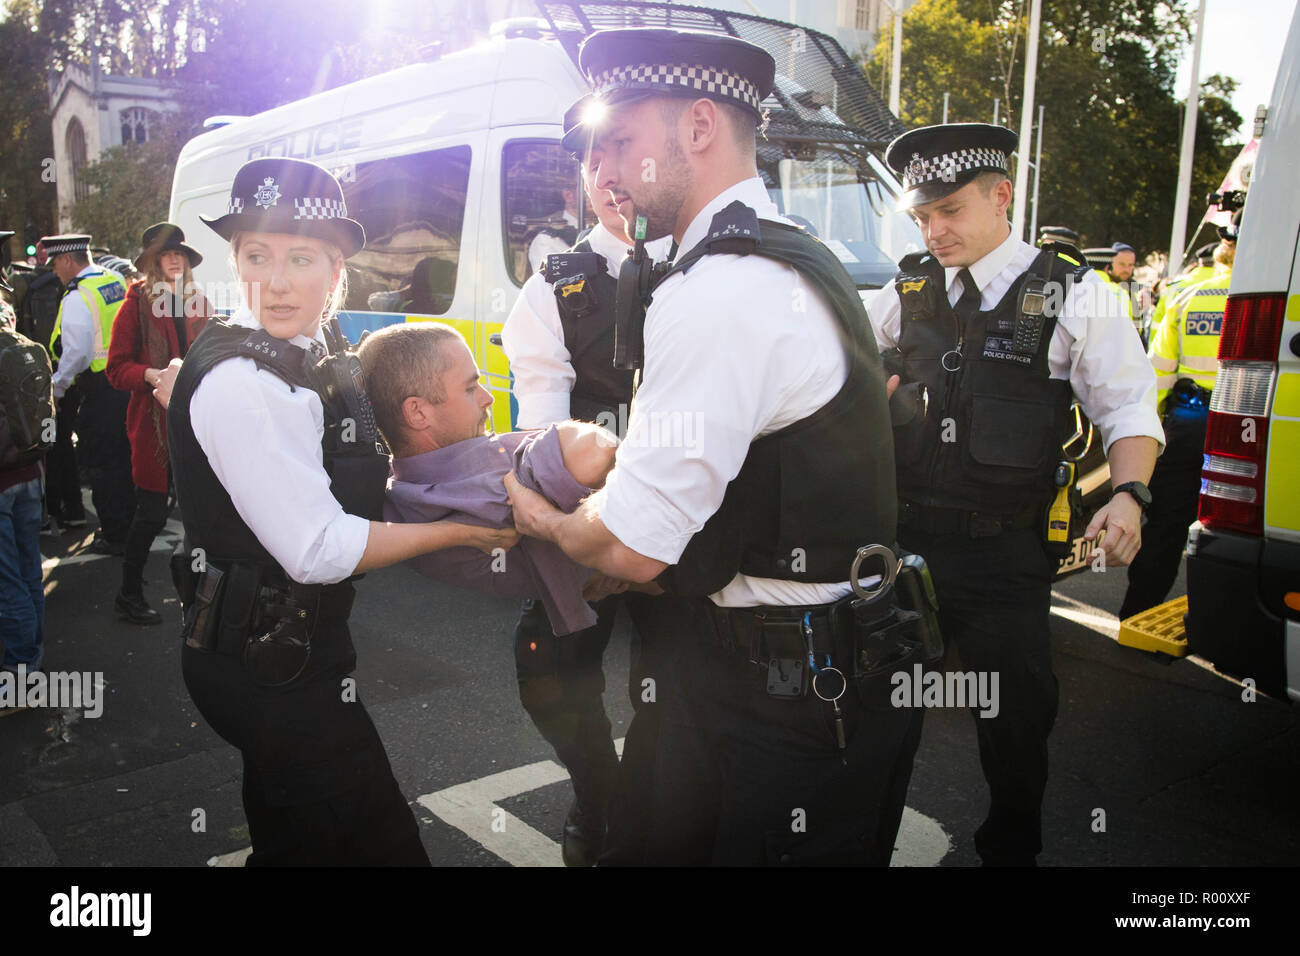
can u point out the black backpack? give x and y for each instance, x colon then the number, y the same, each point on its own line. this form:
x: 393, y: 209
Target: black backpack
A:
x: 26, y: 401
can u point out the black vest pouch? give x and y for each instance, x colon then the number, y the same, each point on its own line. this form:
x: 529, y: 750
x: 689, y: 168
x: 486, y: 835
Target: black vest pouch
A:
x: 357, y: 481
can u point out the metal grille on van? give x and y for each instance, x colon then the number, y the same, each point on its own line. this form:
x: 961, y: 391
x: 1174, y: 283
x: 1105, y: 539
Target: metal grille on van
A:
x: 821, y: 94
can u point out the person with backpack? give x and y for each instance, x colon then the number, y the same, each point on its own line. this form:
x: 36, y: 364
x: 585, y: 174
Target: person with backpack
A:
x: 26, y: 414
x: 161, y: 316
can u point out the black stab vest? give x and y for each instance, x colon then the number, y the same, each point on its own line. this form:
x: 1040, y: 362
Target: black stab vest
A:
x: 807, y: 496
x: 207, y: 512
x: 587, y: 318
x: 991, y: 436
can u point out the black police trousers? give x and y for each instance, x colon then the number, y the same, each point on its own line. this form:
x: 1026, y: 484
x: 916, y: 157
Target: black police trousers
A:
x: 62, y: 479
x: 1175, y: 497
x: 995, y: 597
x: 561, y: 680
x: 318, y: 789
x: 738, y: 778
x: 106, y: 454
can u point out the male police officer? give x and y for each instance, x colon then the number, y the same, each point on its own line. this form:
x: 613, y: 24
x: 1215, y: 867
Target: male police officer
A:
x: 752, y: 524
x: 559, y: 338
x: 1184, y: 352
x: 993, y: 368
x: 80, y: 341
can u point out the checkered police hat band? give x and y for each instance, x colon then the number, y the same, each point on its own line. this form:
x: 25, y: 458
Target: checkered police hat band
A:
x: 698, y: 79
x: 948, y: 166
x: 319, y: 209
x: 68, y: 245
x: 236, y: 206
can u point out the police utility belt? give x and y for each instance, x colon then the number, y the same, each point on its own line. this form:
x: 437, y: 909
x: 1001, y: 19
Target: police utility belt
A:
x: 861, y: 635
x: 252, y: 612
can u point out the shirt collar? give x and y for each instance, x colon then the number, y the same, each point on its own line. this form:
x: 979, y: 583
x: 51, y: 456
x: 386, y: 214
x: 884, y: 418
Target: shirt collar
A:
x: 751, y: 192
x: 615, y: 250
x: 90, y: 270
x: 987, y: 268
x: 243, y: 317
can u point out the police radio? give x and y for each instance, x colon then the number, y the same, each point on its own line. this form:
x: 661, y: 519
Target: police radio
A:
x: 1029, y: 316
x: 635, y: 279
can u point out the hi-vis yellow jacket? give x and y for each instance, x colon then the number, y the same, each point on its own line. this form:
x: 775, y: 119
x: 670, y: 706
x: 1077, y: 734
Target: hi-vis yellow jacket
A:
x: 1174, y: 287
x: 103, y: 293
x: 1187, y: 343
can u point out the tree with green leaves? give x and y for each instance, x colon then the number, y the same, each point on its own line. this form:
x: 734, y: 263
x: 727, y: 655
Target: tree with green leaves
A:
x: 1106, y: 77
x: 27, y: 189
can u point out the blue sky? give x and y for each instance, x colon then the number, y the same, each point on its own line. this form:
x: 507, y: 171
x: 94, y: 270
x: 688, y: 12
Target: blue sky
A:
x: 1243, y: 39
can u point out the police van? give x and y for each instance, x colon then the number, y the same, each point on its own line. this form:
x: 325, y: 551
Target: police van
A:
x: 1242, y: 609
x: 454, y: 167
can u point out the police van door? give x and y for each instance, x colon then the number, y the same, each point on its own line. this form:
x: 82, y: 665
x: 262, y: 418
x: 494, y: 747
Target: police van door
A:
x: 540, y: 207
x: 422, y: 212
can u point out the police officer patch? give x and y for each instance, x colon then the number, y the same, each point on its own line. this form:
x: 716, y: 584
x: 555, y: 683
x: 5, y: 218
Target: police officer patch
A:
x: 1204, y: 323
x: 268, y: 194
x: 113, y: 292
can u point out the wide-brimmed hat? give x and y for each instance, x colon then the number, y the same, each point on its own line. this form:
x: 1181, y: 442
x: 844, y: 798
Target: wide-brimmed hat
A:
x: 164, y: 237
x: 289, y: 196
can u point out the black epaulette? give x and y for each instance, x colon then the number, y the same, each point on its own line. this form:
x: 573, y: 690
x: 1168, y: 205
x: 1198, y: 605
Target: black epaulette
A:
x: 1077, y: 261
x: 918, y: 285
x: 286, y: 360
x: 565, y: 265
x: 733, y: 230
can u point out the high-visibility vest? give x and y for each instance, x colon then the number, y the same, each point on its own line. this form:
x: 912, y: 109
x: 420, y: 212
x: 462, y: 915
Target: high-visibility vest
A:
x: 1187, y: 343
x: 1121, y: 292
x: 103, y: 293
x: 1173, y: 287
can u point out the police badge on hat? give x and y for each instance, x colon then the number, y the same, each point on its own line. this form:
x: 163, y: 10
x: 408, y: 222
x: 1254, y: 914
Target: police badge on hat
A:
x: 936, y: 161
x: 289, y: 196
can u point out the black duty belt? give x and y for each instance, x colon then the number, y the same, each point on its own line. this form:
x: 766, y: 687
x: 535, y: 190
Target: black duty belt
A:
x: 762, y: 633
x: 975, y: 524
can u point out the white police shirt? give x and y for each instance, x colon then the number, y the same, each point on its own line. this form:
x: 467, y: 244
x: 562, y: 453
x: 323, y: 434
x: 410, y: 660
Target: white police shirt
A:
x: 1094, y: 344
x: 76, y: 336
x: 263, y: 441
x: 533, y: 338
x: 737, y: 348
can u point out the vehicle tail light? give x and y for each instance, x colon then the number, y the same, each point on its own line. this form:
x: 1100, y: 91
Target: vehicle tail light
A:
x: 1236, y: 437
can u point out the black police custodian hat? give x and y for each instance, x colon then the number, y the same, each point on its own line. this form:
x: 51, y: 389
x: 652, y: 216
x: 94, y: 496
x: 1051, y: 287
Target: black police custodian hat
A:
x: 936, y: 161
x: 68, y: 242
x: 576, y: 132
x: 289, y: 196
x: 164, y: 237
x: 630, y: 64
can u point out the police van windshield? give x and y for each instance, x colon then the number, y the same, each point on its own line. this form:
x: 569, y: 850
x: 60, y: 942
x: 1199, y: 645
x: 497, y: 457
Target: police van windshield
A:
x: 847, y: 207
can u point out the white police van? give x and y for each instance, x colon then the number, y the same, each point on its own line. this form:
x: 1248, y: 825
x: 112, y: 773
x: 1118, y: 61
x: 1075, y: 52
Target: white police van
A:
x: 1242, y: 609
x: 454, y: 166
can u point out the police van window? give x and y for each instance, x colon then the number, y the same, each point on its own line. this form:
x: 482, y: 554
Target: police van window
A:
x: 841, y: 202
x: 542, y: 201
x: 413, y: 209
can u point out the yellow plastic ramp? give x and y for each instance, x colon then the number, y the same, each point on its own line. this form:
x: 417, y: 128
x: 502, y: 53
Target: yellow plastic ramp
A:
x: 1159, y: 629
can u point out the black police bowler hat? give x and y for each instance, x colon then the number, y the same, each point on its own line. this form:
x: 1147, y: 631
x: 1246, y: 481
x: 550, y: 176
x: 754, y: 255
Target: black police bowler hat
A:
x: 1205, y: 254
x: 623, y: 65
x: 164, y: 237
x: 291, y: 196
x: 576, y: 133
x: 936, y: 161
x: 67, y: 242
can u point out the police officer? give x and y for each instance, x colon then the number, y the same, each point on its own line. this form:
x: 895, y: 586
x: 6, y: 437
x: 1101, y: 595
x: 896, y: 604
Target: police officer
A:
x: 997, y: 364
x: 278, y: 504
x: 1184, y: 352
x: 1203, y: 269
x: 1058, y: 234
x: 36, y: 301
x: 559, y: 338
x: 79, y: 342
x: 750, y: 513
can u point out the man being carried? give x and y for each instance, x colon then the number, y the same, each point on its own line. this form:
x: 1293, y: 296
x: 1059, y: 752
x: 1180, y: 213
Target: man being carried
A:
x: 424, y: 386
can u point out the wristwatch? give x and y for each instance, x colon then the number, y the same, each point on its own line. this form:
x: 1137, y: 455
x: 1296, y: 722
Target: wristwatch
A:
x: 1140, y: 492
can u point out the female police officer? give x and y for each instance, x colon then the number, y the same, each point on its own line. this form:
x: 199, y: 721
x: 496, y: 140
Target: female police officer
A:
x: 267, y: 473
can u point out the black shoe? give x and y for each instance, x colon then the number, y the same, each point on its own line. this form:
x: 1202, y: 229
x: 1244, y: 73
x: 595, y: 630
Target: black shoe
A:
x: 102, y: 545
x: 584, y: 838
x: 134, y: 608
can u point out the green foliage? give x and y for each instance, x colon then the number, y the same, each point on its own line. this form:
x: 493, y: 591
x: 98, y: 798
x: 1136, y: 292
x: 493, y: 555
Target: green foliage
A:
x: 1113, y: 122
x: 27, y: 200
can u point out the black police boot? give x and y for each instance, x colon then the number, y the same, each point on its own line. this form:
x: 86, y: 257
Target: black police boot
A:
x: 134, y: 608
x: 101, y: 545
x: 584, y: 837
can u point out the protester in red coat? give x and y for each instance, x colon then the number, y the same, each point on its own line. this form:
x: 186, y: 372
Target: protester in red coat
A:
x: 158, y: 320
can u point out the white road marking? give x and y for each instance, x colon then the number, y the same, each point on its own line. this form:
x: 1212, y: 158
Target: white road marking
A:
x: 1093, y: 618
